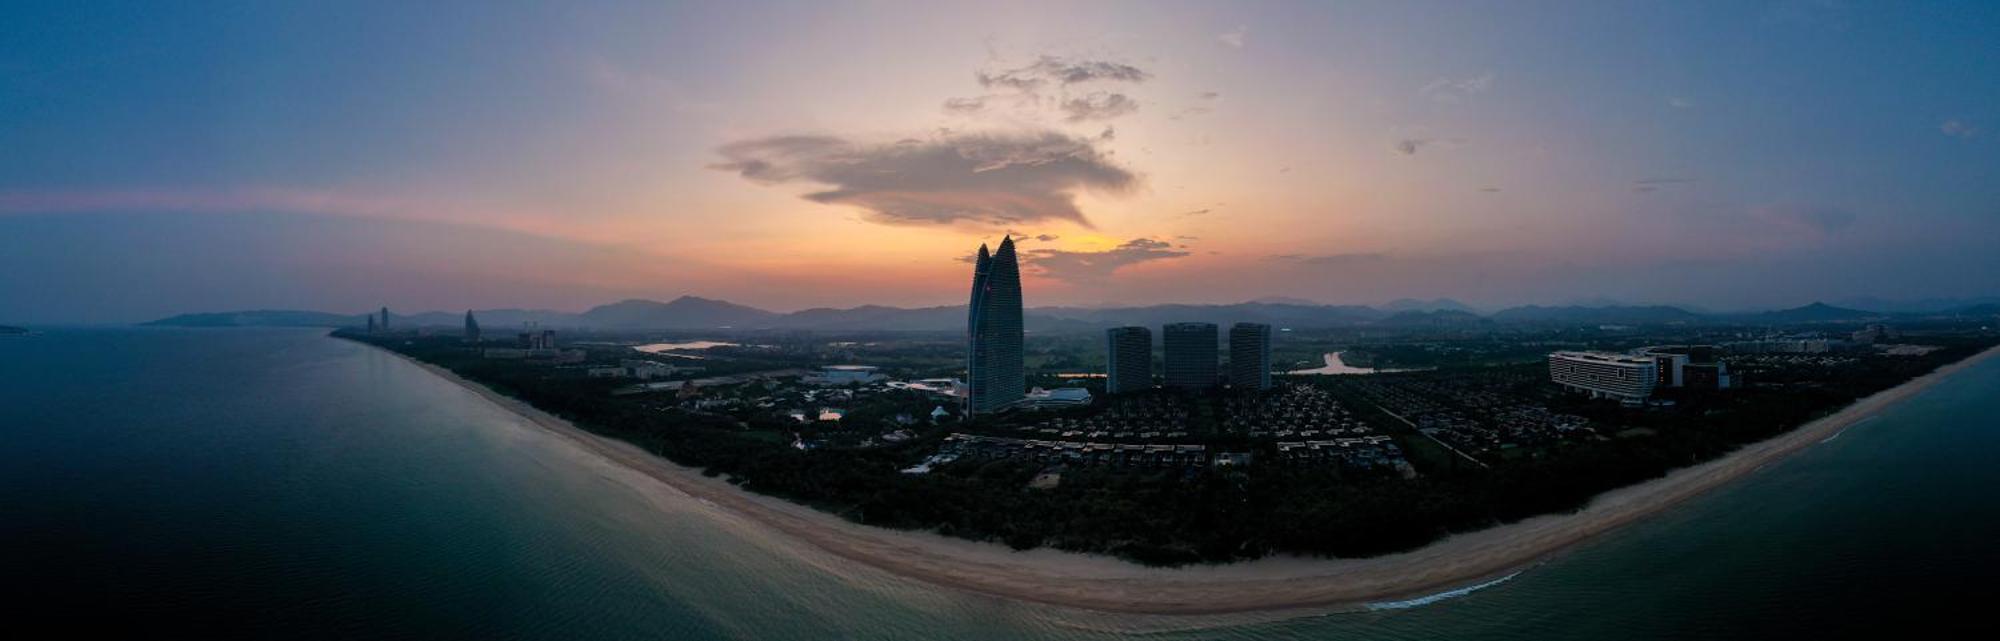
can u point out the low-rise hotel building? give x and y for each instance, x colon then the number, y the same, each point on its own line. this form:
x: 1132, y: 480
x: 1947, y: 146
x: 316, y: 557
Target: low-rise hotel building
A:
x: 1605, y: 375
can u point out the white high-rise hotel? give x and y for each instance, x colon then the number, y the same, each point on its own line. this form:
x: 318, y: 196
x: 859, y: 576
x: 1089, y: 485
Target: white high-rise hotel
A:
x: 1605, y: 374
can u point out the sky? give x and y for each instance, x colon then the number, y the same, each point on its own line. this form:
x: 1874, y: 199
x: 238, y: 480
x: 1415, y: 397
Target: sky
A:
x: 158, y: 158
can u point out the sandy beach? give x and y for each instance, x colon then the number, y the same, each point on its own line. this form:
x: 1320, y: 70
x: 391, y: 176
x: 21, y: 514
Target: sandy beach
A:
x: 1279, y: 583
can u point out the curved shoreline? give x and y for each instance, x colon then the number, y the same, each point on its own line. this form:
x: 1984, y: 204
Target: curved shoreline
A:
x: 1105, y: 584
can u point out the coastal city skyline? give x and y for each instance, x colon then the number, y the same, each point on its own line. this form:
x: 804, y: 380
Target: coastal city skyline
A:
x: 974, y: 321
x: 1751, y: 156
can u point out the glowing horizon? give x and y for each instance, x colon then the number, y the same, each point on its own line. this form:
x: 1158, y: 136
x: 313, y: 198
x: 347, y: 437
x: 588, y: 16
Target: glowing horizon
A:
x: 807, y: 155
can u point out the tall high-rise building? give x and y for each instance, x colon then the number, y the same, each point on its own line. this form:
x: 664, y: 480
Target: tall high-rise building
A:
x: 995, y: 376
x: 471, y: 328
x: 1191, y: 355
x: 385, y: 318
x: 1250, y: 356
x: 371, y: 323
x: 1128, y: 355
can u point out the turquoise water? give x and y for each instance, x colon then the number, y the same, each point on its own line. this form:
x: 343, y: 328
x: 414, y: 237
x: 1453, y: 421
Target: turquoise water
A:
x: 278, y: 483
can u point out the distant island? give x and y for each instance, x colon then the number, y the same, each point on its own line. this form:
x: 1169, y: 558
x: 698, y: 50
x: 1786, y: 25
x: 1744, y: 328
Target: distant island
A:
x: 10, y: 330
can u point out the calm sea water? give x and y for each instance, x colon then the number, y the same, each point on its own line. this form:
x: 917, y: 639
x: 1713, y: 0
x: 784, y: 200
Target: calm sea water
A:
x: 281, y: 484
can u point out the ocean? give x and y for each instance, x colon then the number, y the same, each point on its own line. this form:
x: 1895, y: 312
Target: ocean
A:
x: 283, y: 484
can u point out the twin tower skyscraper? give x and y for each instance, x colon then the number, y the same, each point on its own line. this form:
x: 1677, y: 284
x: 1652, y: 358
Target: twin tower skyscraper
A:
x: 995, y: 376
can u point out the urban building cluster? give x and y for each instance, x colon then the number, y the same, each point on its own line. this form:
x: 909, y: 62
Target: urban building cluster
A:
x: 1193, y: 362
x: 1192, y: 357
x: 1154, y: 455
x: 1364, y: 452
x: 1874, y: 334
x: 1474, y: 412
x: 996, y: 375
x: 538, y: 344
x: 844, y: 375
x: 1296, y: 410
x: 1124, y: 417
x: 1634, y: 376
x: 642, y: 369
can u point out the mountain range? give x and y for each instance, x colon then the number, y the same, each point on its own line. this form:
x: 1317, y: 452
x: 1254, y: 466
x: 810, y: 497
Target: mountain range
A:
x: 691, y: 312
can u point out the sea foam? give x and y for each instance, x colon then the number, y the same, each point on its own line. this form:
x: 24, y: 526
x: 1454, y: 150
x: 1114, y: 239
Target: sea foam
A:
x: 1434, y: 598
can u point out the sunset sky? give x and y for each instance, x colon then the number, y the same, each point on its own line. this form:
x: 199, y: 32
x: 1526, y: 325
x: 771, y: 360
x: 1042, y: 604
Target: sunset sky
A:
x: 158, y: 158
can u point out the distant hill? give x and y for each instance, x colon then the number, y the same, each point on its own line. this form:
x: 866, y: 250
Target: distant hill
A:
x: 1441, y: 318
x: 686, y: 312
x: 691, y: 312
x: 264, y: 318
x: 515, y: 318
x: 1814, y: 313
x: 1615, y: 315
x: 1287, y: 300
x: 1433, y: 305
x: 1278, y: 314
x: 877, y: 317
x: 1917, y: 305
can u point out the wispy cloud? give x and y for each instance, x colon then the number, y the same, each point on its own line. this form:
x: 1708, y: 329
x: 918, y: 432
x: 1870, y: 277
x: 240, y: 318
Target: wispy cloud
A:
x: 1085, y: 266
x: 992, y: 178
x: 1410, y: 139
x: 1332, y: 259
x: 1098, y: 105
x: 1060, y: 72
x: 1457, y: 89
x: 965, y: 106
x: 1043, y: 88
x: 1234, y: 38
x: 1022, y: 236
x: 1650, y: 185
x: 1958, y: 129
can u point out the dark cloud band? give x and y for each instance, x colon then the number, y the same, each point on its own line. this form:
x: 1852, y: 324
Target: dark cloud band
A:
x: 993, y: 178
